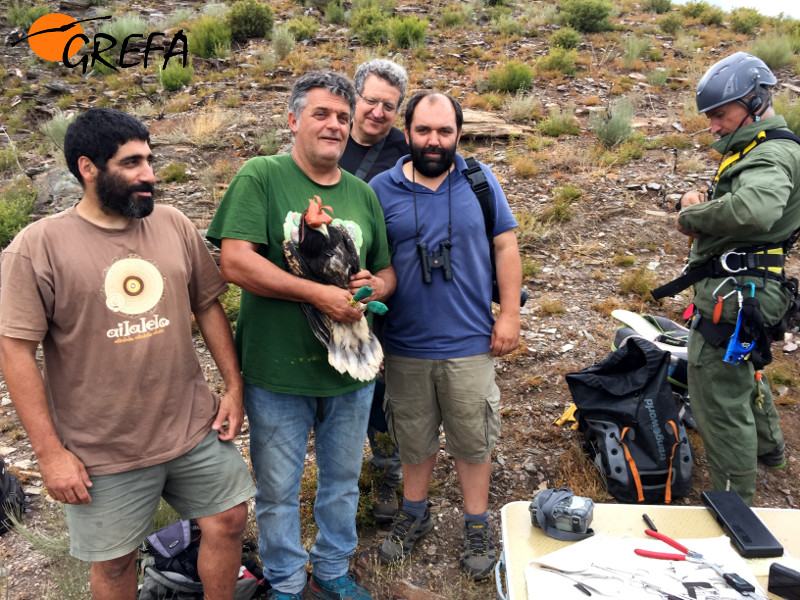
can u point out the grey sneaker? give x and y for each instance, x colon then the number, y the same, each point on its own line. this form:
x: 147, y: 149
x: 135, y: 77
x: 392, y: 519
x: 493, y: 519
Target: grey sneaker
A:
x: 479, y: 554
x: 775, y: 459
x: 384, y: 507
x: 405, y: 533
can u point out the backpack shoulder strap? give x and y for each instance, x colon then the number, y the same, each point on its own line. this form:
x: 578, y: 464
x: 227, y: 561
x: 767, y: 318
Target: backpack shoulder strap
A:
x: 781, y: 134
x: 480, y: 186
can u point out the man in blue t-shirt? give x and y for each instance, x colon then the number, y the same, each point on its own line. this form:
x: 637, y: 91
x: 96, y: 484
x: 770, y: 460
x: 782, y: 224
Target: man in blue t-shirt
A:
x: 440, y: 336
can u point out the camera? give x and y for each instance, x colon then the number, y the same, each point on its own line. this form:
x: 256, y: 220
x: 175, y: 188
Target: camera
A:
x: 435, y: 260
x: 572, y: 514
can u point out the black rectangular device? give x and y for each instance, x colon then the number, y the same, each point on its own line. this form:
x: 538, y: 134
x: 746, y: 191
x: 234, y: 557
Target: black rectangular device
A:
x: 749, y: 535
x: 784, y: 582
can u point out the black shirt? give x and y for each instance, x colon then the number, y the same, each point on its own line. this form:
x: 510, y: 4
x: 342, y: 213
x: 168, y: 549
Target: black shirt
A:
x: 394, y: 147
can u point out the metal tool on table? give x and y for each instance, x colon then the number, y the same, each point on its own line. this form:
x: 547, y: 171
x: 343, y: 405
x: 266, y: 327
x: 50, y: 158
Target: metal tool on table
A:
x: 733, y: 580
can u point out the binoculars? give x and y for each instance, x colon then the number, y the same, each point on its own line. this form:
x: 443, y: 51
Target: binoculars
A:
x: 435, y: 260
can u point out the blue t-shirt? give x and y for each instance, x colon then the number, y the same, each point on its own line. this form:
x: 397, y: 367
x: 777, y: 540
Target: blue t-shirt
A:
x: 441, y: 319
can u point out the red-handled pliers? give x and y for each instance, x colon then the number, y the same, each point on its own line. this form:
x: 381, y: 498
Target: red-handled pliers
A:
x: 738, y: 583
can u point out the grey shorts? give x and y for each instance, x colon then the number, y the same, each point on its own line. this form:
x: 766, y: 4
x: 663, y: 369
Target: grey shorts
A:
x: 458, y: 393
x: 209, y: 479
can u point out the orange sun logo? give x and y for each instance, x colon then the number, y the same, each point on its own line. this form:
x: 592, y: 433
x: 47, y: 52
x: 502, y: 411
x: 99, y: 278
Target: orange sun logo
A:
x: 49, y: 35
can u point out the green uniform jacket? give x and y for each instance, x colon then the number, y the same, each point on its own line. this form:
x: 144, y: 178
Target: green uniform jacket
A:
x: 756, y: 201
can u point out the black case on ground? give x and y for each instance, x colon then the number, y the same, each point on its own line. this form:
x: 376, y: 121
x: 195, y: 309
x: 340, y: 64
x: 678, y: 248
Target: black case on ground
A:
x: 749, y: 535
x: 784, y: 582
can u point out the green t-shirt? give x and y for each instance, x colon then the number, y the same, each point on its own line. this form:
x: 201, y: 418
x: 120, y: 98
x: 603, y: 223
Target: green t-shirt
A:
x: 277, y: 349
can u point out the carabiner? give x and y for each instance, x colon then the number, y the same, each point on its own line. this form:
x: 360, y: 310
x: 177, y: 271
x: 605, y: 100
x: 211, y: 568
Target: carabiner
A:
x: 715, y: 294
x: 723, y: 261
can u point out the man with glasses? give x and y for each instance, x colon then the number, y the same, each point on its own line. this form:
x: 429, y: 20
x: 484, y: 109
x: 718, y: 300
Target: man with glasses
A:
x: 375, y: 143
x: 374, y: 146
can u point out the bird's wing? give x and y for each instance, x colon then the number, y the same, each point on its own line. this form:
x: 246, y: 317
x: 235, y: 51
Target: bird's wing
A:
x: 295, y: 262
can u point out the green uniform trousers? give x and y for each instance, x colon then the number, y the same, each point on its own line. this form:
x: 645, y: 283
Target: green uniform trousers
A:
x: 734, y: 428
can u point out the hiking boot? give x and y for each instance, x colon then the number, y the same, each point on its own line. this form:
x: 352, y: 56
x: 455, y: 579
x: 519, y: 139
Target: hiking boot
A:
x: 276, y: 595
x: 776, y: 459
x: 384, y: 507
x: 405, y: 533
x: 479, y: 554
x: 341, y: 588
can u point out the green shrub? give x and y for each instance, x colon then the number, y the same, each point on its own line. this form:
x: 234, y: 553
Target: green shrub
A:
x: 522, y: 108
x: 658, y: 77
x: 268, y: 143
x: 560, y: 122
x: 587, y: 15
x: 408, y: 32
x: 23, y: 16
x: 788, y: 106
x: 385, y: 6
x: 123, y: 26
x: 175, y: 76
x: 634, y: 48
x: 713, y: 16
x: 566, y: 38
x: 452, y: 17
x: 8, y: 159
x: 282, y: 41
x: 671, y: 23
x: 613, y: 127
x: 334, y: 12
x: 657, y: 6
x: 774, y: 50
x: 209, y: 37
x: 230, y: 301
x: 250, y: 19
x: 369, y: 24
x: 303, y: 27
x: 218, y: 10
x: 56, y: 128
x: 745, y: 20
x: 514, y: 77
x: 178, y: 16
x: 16, y: 205
x: 173, y: 172
x: 695, y: 8
x: 508, y: 25
x: 558, y: 59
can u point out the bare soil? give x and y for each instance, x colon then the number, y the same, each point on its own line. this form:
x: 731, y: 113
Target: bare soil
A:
x: 619, y: 225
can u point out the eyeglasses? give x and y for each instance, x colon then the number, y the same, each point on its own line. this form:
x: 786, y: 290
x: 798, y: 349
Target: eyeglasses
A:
x: 373, y: 102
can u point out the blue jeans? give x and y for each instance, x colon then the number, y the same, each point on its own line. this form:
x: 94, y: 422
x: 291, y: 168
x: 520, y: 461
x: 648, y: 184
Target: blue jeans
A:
x: 280, y: 425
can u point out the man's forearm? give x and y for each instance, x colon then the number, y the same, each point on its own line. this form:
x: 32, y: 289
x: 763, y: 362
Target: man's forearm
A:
x: 218, y: 338
x: 26, y: 387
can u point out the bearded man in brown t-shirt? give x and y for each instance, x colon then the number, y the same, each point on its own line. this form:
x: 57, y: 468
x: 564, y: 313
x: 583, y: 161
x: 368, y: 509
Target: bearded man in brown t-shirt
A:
x: 123, y: 415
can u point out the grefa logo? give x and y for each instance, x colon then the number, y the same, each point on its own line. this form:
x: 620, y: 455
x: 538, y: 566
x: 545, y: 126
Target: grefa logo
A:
x: 58, y: 37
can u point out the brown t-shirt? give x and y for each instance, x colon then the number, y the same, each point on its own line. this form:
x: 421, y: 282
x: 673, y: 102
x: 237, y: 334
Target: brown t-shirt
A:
x: 112, y: 310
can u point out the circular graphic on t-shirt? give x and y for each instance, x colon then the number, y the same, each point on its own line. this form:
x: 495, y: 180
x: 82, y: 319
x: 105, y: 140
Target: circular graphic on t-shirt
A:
x: 133, y: 286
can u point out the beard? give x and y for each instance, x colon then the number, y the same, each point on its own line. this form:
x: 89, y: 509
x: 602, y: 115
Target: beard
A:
x: 118, y: 198
x: 432, y: 166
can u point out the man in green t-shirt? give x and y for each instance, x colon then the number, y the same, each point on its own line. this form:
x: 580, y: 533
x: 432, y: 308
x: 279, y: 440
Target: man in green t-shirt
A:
x: 289, y: 386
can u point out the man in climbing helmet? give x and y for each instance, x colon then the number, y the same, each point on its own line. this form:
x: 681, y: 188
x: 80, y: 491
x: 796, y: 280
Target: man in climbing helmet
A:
x: 742, y: 226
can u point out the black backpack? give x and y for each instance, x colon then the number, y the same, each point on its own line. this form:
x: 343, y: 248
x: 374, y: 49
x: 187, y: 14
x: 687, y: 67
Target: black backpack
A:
x: 12, y: 498
x: 169, y: 566
x: 630, y: 420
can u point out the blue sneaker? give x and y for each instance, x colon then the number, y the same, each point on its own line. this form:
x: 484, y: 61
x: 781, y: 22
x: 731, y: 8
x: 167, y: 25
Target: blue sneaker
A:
x: 341, y: 588
x: 276, y: 595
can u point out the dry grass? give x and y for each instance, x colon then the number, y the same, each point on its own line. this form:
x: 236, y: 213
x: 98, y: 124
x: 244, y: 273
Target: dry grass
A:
x: 581, y: 475
x: 607, y: 306
x: 551, y: 306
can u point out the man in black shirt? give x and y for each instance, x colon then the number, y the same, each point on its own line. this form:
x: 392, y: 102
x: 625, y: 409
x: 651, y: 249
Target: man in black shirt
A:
x: 374, y: 146
x: 375, y: 143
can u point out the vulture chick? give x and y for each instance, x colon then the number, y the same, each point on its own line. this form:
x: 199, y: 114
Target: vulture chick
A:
x: 326, y: 254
